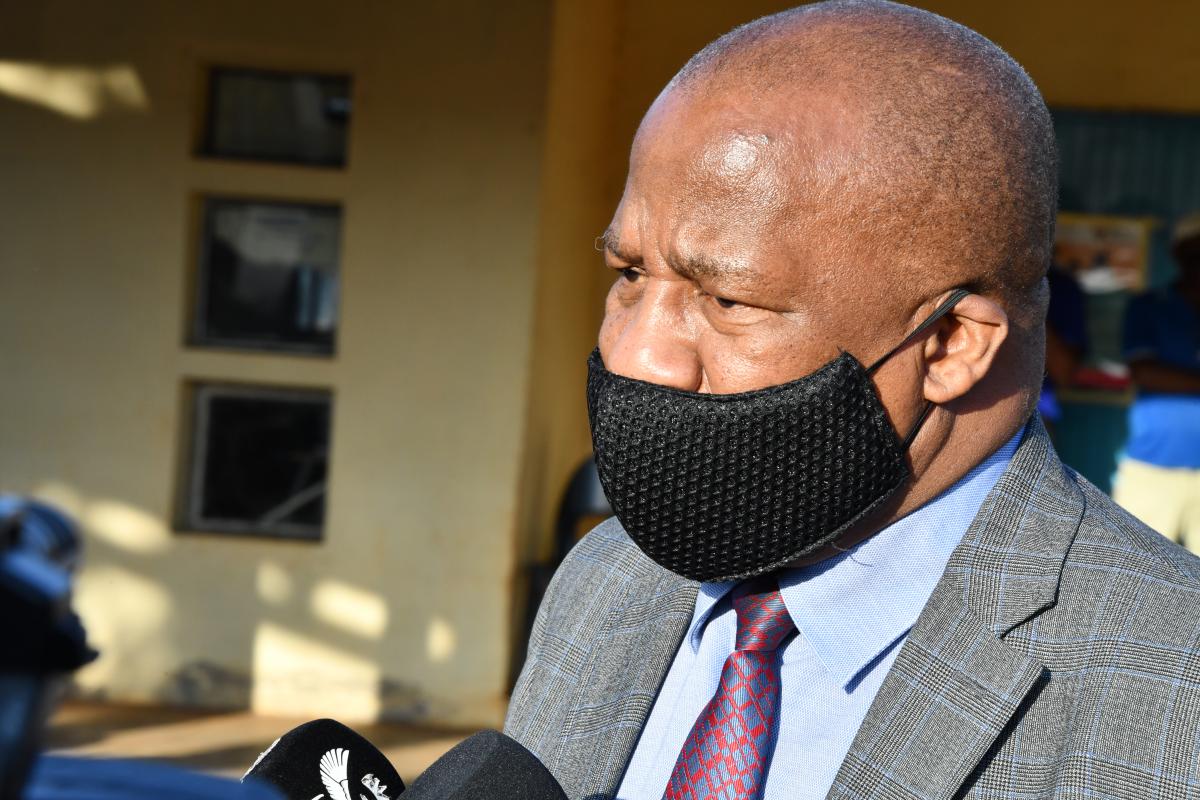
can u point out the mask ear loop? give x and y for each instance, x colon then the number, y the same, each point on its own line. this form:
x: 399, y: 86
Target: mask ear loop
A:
x: 945, y: 308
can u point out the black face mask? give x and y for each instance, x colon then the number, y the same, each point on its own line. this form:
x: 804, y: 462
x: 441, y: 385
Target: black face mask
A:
x: 719, y: 487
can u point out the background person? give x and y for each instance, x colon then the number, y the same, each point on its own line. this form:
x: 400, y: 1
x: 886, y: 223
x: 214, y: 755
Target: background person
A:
x: 1066, y: 341
x: 1158, y: 480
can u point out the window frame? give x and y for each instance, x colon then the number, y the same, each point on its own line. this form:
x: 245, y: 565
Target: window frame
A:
x: 198, y: 297
x: 205, y: 145
x: 189, y: 519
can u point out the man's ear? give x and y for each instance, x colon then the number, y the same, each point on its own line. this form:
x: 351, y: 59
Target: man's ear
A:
x: 963, y: 349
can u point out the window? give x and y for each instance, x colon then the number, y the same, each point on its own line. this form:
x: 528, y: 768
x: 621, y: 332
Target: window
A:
x: 277, y: 116
x: 258, y: 461
x: 267, y: 276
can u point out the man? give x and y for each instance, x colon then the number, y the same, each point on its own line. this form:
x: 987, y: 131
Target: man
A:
x: 846, y: 561
x: 1158, y: 481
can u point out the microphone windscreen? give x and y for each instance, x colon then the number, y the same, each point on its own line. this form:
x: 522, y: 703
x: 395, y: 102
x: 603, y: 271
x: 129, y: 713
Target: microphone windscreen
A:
x: 486, y: 766
x: 324, y: 757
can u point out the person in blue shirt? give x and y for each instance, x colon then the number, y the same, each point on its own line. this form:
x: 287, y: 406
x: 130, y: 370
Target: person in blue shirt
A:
x: 1158, y: 479
x: 1066, y: 340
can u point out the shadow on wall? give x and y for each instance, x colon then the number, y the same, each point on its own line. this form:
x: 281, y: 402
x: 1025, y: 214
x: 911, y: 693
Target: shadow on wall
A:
x: 289, y: 644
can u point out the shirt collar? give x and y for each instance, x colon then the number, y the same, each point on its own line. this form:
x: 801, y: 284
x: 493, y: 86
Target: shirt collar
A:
x: 853, y: 607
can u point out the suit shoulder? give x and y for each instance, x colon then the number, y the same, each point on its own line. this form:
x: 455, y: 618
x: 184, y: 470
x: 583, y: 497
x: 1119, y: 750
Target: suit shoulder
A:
x: 602, y: 569
x: 605, y: 553
x: 1109, y: 536
x: 1123, y: 581
x: 1119, y: 648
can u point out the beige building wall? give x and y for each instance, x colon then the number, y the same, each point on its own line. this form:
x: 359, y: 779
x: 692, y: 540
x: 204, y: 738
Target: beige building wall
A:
x: 581, y: 177
x: 404, y: 609
x: 488, y: 150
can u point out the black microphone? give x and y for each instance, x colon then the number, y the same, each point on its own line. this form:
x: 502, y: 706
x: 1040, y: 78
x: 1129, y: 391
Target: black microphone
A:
x: 324, y: 758
x: 486, y: 766
x: 44, y: 640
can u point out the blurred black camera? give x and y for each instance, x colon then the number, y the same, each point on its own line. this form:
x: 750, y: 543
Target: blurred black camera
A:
x: 41, y: 638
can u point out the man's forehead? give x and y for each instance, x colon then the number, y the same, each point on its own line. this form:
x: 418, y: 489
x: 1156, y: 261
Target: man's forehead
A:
x: 689, y: 167
x: 732, y: 129
x: 710, y: 192
x: 753, y: 166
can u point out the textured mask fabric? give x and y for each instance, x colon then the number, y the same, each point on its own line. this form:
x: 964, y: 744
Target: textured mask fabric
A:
x: 722, y: 487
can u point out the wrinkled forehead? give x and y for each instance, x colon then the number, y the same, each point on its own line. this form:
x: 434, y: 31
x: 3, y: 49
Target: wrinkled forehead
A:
x: 725, y: 175
x: 732, y: 143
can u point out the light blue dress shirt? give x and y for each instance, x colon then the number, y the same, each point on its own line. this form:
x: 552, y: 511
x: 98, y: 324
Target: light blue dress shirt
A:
x: 852, y: 612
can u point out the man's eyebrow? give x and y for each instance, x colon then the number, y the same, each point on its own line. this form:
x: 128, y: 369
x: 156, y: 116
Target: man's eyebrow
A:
x: 610, y: 241
x: 700, y: 265
x: 692, y: 266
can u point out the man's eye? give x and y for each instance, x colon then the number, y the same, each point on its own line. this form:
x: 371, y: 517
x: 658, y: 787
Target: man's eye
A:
x: 630, y: 274
x: 725, y: 302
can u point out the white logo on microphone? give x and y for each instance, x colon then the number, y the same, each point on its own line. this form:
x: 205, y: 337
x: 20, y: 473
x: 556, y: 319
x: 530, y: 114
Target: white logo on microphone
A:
x: 335, y: 775
x: 376, y: 788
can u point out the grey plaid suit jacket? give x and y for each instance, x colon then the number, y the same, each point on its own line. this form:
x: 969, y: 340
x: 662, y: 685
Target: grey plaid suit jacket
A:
x: 1059, y: 656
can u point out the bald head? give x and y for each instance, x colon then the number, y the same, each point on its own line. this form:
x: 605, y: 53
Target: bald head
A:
x: 922, y: 155
x: 817, y: 183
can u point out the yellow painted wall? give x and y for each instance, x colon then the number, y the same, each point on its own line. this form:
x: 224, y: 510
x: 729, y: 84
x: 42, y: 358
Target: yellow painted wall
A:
x: 579, y: 181
x: 1102, y: 54
x: 404, y: 609
x: 488, y: 149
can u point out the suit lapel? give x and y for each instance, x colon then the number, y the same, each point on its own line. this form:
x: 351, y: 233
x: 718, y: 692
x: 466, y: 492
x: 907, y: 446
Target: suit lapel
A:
x: 951, y: 692
x: 956, y: 684
x: 622, y: 678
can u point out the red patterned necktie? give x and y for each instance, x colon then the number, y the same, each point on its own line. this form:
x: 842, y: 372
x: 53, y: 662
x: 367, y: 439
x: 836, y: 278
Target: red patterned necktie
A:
x: 725, y: 755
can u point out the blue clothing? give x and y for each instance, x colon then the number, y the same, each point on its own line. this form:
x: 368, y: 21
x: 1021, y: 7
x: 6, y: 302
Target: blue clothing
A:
x: 1048, y: 405
x: 1067, y: 317
x: 853, y: 612
x: 1164, y: 429
x: 1067, y: 311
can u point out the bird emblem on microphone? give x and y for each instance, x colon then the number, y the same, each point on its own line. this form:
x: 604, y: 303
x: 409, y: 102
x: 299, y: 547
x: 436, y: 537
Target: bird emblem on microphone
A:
x: 335, y: 775
x: 335, y: 766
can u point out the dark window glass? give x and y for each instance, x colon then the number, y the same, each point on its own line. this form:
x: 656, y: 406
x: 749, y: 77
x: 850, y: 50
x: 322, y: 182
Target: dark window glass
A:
x: 277, y: 116
x: 268, y: 276
x: 259, y: 461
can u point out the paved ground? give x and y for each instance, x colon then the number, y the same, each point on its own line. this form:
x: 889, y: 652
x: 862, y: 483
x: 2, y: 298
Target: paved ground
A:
x: 222, y: 743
